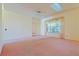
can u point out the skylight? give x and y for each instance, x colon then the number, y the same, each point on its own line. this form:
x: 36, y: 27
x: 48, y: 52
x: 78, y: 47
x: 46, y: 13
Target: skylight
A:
x: 56, y: 7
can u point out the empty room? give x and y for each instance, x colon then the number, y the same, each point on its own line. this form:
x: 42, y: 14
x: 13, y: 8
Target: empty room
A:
x: 39, y: 29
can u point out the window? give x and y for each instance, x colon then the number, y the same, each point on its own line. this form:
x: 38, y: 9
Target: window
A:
x: 54, y: 26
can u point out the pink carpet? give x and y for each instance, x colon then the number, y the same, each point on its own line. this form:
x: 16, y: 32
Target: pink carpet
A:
x: 41, y: 46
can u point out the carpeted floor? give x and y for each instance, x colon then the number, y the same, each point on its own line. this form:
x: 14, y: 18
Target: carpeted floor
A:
x: 42, y: 47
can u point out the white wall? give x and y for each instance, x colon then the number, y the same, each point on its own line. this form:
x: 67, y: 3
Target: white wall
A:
x: 72, y: 24
x: 0, y: 22
x: 18, y: 25
x: 0, y: 27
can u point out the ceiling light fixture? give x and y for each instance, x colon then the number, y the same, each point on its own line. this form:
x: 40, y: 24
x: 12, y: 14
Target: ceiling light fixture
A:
x: 38, y: 11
